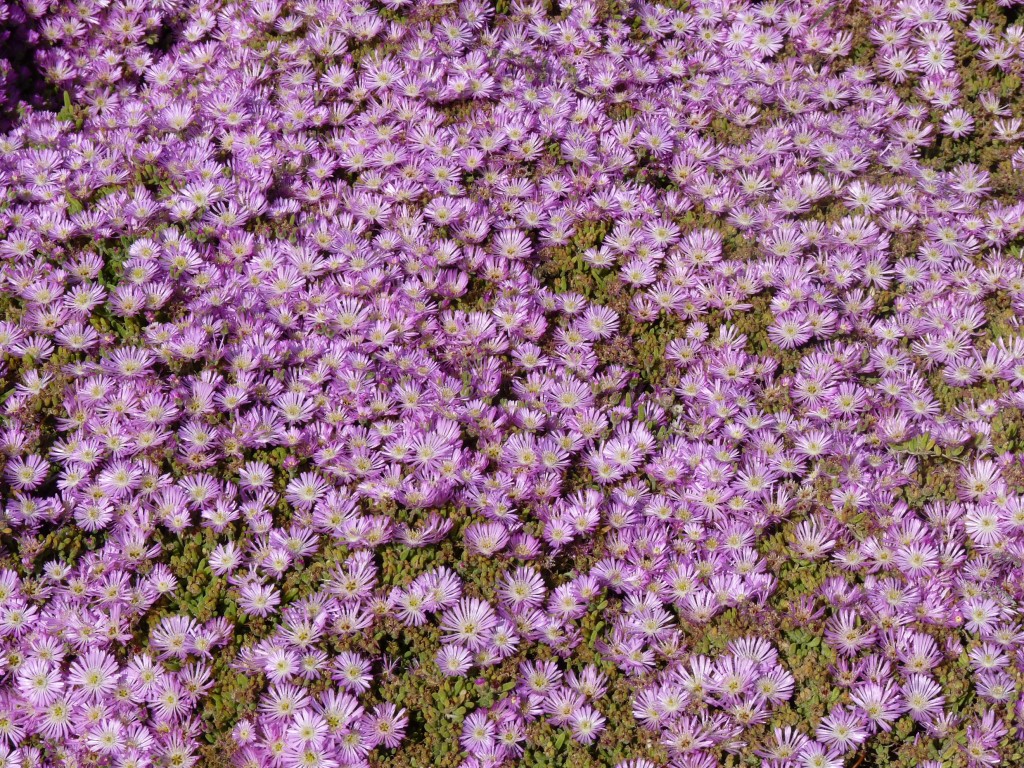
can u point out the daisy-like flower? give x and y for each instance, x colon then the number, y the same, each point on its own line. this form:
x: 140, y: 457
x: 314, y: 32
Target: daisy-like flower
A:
x: 39, y: 682
x: 590, y: 682
x: 56, y: 718
x: 469, y: 622
x: 27, y: 472
x: 923, y: 697
x: 259, y: 599
x: 10, y: 757
x: 980, y: 614
x: 454, y: 660
x: 310, y: 728
x: 478, y: 731
x: 352, y: 671
x: 587, y: 724
x: 283, y: 702
x: 521, y: 588
x: 225, y: 558
x: 980, y: 480
x: 842, y: 729
x: 386, y: 725
x: 486, y: 538
x: 511, y: 244
x: 170, y: 703
x: 598, y: 322
x: 95, y: 673
x: 881, y: 705
x: 538, y: 678
x: 305, y: 490
x: 996, y: 686
x: 790, y: 331
x: 818, y: 756
x: 280, y: 665
x: 256, y: 474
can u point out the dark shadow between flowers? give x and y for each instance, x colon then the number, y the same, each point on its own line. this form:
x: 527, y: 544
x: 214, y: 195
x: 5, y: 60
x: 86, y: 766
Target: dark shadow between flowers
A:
x: 21, y: 82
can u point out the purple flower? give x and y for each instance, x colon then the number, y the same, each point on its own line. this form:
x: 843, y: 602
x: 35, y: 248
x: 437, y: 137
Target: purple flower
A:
x: 387, y: 725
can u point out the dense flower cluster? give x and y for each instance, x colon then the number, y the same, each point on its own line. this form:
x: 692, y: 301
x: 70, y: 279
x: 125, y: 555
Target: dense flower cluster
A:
x: 590, y: 352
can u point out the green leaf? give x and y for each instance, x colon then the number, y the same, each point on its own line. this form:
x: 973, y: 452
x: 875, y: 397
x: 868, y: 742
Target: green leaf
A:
x: 67, y: 113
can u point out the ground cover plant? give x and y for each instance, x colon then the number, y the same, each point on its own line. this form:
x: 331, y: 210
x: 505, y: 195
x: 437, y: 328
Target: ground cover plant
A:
x: 461, y: 384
